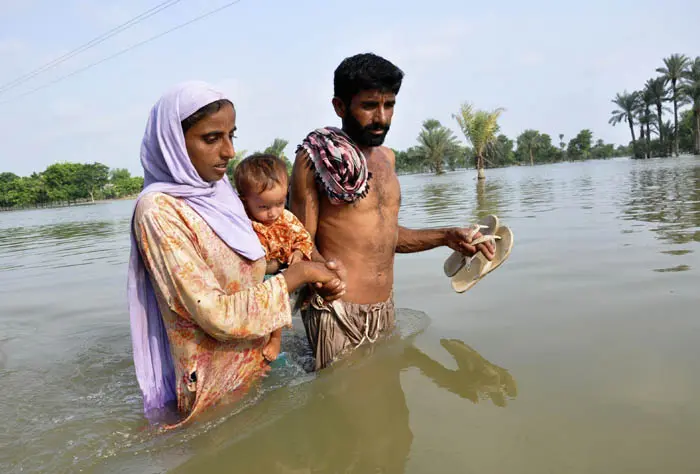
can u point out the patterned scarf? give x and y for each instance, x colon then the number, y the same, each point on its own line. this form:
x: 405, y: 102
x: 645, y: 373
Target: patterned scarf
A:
x: 341, y: 168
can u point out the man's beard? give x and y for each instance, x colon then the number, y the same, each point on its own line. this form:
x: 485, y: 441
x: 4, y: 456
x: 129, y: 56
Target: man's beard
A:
x: 363, y: 136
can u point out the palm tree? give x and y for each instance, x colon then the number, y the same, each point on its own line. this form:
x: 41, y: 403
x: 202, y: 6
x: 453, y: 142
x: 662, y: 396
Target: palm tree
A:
x: 645, y: 118
x: 435, y: 143
x: 675, y: 66
x: 665, y: 128
x: 691, y: 89
x: 656, y: 88
x: 531, y: 140
x: 277, y: 147
x: 627, y: 108
x: 231, y: 166
x: 479, y: 128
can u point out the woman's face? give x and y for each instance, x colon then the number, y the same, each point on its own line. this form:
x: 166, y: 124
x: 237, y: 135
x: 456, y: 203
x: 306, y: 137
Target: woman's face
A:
x: 209, y: 143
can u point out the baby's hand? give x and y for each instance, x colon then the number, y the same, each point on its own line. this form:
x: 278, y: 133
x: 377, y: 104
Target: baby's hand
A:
x: 296, y: 257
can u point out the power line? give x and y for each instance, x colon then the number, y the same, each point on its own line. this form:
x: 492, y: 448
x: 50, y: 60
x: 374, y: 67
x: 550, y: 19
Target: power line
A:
x: 90, y: 44
x: 123, y: 51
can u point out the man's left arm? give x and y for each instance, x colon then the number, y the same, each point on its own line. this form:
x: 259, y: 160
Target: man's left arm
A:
x: 456, y: 238
x: 412, y: 240
x: 419, y: 240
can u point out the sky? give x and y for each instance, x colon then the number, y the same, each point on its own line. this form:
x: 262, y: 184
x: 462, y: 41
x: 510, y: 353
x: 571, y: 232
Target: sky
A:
x: 554, y: 66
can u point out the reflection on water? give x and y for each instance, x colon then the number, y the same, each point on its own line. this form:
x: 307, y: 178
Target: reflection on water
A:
x: 353, y: 418
x: 668, y: 197
x: 489, y: 199
x: 475, y: 378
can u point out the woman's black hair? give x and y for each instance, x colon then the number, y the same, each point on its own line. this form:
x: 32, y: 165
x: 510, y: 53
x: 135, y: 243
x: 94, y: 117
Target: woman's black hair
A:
x: 205, y: 111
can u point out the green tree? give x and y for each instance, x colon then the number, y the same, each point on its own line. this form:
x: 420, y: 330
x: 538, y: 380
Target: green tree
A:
x: 627, y: 108
x: 580, y: 146
x: 528, y: 143
x: 231, y: 166
x: 656, y: 88
x: 92, y: 178
x: 686, y: 131
x: 479, y: 128
x: 691, y: 90
x: 602, y: 150
x: 665, y: 128
x: 435, y: 144
x: 645, y: 119
x: 63, y: 182
x: 673, y: 71
x: 562, y: 145
x: 277, y: 149
x: 119, y: 174
x: 7, y: 185
x: 500, y: 152
x: 121, y: 183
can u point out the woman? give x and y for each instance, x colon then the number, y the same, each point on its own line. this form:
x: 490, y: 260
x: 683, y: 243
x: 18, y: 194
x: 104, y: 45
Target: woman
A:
x: 200, y: 311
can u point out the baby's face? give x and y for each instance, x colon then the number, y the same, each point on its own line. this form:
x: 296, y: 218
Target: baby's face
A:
x: 267, y: 206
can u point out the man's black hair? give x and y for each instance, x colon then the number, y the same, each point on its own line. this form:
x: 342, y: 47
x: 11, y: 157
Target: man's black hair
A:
x: 365, y: 71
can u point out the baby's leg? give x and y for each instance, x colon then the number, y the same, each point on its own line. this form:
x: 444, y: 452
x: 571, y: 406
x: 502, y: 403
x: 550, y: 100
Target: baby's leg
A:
x: 272, y: 348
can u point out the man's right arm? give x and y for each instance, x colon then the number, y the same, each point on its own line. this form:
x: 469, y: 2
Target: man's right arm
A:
x: 304, y: 204
x: 303, y: 201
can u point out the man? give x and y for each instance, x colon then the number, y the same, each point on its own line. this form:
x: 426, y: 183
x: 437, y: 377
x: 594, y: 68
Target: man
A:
x: 346, y: 193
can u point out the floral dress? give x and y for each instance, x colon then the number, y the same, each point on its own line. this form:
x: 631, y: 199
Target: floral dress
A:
x: 283, y: 237
x: 217, y: 310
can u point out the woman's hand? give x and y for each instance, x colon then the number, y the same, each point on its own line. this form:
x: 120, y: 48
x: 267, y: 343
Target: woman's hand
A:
x: 335, y: 288
x: 326, y: 275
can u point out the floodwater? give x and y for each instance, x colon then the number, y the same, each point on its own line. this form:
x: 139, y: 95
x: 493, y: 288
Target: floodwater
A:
x: 581, y: 354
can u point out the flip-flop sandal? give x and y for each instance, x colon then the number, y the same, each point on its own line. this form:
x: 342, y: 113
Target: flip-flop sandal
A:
x: 480, y: 266
x: 457, y: 260
x: 504, y: 246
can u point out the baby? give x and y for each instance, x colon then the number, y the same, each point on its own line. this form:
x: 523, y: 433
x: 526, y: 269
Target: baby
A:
x: 262, y: 181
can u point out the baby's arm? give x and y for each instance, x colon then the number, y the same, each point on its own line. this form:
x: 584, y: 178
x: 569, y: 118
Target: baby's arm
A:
x: 302, y: 244
x: 273, y: 266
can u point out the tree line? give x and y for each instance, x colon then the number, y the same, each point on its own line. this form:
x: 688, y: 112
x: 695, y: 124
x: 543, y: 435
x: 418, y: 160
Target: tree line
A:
x: 63, y: 184
x: 676, y: 86
x: 438, y: 148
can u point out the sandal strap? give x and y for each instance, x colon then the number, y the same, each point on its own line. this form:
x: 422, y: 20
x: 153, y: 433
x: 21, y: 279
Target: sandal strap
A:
x: 485, y: 238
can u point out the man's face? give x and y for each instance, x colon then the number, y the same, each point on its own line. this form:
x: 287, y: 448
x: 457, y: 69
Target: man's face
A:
x: 368, y: 118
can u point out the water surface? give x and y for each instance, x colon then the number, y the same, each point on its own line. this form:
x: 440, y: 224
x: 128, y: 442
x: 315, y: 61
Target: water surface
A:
x: 578, y: 355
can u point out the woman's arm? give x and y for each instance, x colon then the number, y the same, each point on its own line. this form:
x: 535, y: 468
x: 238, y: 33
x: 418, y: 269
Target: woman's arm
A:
x: 193, y: 292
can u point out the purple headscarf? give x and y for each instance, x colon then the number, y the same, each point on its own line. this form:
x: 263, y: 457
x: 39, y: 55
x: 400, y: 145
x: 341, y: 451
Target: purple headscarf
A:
x: 168, y: 169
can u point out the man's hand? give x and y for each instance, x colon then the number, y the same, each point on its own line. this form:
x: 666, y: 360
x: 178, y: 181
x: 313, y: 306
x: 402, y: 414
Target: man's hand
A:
x: 336, y: 288
x: 460, y: 239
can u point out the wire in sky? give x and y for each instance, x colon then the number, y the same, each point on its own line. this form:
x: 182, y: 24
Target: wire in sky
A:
x: 123, y: 51
x: 90, y: 44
